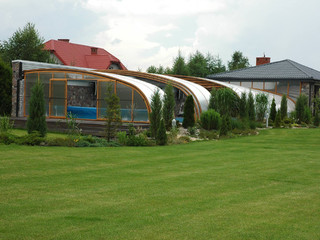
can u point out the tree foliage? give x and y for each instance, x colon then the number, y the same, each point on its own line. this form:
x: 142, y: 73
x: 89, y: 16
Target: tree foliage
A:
x: 5, y: 88
x: 243, y: 110
x: 188, y: 113
x: 197, y: 65
x: 179, y: 65
x: 212, y: 98
x: 210, y: 120
x: 238, y: 61
x: 301, y: 104
x: 284, y: 106
x: 273, y: 110
x: 251, y: 107
x: 162, y: 138
x: 226, y: 102
x: 37, y: 113
x: 156, y: 113
x: 261, y: 106
x: 113, y: 113
x: 25, y: 44
x: 168, y: 106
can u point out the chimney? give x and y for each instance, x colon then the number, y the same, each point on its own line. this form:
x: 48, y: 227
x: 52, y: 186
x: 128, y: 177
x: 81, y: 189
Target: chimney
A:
x: 262, y: 60
x: 64, y: 40
x: 94, y: 51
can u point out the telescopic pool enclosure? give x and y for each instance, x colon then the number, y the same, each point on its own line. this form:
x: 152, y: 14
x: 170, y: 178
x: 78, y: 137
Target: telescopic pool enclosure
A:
x: 82, y: 91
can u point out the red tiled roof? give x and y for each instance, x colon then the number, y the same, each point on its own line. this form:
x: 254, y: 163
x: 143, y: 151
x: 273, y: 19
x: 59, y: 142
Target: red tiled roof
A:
x: 80, y: 55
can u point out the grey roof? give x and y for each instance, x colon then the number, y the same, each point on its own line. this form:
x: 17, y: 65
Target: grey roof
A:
x: 285, y: 69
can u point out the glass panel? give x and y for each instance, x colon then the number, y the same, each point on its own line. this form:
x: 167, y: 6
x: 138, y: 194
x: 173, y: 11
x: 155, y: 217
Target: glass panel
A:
x: 45, y: 79
x: 246, y: 84
x: 58, y: 99
x: 125, y: 95
x: 294, y: 89
x: 258, y: 85
x: 235, y: 83
x: 305, y: 89
x: 270, y: 86
x: 102, y: 88
x: 140, y: 112
x: 59, y: 75
x: 282, y: 87
x: 31, y: 79
x: 74, y: 76
x: 91, y: 77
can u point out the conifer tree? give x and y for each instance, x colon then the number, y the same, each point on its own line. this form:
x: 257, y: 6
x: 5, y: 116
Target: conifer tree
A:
x: 277, y: 121
x: 161, y: 135
x: 283, y: 106
x: 5, y: 88
x: 37, y: 113
x: 251, y: 108
x: 113, y: 113
x: 156, y: 113
x: 168, y: 106
x: 212, y: 99
x: 188, y: 115
x: 243, y: 106
x: 273, y: 110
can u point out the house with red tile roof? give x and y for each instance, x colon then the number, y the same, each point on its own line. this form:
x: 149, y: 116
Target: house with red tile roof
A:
x: 71, y: 54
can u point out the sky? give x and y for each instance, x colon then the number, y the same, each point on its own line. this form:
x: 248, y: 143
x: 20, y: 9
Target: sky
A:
x: 151, y: 32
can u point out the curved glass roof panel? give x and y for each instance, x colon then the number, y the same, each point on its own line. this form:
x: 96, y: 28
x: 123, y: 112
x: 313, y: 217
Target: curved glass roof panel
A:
x: 147, y: 88
x: 199, y: 93
x: 239, y: 90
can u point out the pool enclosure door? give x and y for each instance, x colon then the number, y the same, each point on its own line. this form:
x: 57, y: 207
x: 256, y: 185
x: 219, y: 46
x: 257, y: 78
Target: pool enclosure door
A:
x: 58, y: 98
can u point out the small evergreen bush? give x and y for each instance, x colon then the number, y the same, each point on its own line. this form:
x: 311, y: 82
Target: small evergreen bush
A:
x: 273, y: 110
x: 277, y: 122
x: 188, y: 115
x: 210, y: 120
x: 162, y: 136
x: 316, y: 120
x: 5, y: 124
x: 37, y: 114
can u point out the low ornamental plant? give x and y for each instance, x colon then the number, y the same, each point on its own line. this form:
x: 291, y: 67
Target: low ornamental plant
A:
x: 210, y: 120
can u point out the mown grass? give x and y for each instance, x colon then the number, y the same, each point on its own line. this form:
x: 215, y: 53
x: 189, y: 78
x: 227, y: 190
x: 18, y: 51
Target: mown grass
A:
x: 256, y: 187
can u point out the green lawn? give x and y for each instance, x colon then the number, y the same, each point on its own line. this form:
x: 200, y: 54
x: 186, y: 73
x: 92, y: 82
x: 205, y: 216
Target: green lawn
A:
x: 256, y: 187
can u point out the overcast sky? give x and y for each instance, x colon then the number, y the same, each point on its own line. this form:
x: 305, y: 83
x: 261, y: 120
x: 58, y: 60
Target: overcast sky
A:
x: 150, y: 32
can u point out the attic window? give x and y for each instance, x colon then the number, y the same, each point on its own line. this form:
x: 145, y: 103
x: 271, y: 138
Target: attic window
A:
x: 94, y: 50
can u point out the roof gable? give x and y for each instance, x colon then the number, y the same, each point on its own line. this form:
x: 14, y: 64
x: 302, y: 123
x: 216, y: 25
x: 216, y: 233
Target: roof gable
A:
x: 80, y: 55
x: 285, y: 69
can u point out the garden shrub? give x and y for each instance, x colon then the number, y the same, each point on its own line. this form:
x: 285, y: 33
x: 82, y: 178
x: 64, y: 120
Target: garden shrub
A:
x: 261, y: 106
x: 192, y: 130
x: 37, y: 114
x: 251, y: 107
x: 5, y: 124
x: 184, y: 139
x: 188, y: 115
x: 273, y: 110
x: 205, y: 134
x: 61, y: 142
x: 301, y: 104
x: 210, y: 120
x: 6, y: 138
x: 122, y: 137
x: 277, y: 122
x: 162, y: 136
x: 33, y: 139
x: 225, y: 125
x: 316, y: 120
x: 284, y: 106
x: 307, y: 115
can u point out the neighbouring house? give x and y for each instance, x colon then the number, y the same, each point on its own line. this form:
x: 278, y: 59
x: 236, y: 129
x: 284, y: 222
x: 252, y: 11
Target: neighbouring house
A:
x: 66, y: 53
x: 281, y: 77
